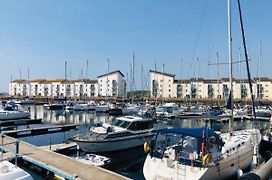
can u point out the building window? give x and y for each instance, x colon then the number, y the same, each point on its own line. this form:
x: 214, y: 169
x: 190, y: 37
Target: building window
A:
x: 210, y: 91
x: 243, y: 91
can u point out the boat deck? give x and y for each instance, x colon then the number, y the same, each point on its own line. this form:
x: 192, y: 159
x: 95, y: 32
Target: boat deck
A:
x: 60, y: 165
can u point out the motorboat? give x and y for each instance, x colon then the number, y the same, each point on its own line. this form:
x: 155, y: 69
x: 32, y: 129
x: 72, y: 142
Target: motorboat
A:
x: 54, y: 106
x: 122, y: 133
x: 12, y: 112
x: 168, y: 110
x: 24, y: 101
x: 102, y: 107
x: 199, y: 153
x: 9, y: 171
x: 130, y: 109
x: 94, y: 159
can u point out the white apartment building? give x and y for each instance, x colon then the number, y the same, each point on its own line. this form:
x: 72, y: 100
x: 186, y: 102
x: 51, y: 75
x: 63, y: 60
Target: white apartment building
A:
x: 164, y: 85
x: 71, y: 88
x: 161, y: 84
x: 112, y: 84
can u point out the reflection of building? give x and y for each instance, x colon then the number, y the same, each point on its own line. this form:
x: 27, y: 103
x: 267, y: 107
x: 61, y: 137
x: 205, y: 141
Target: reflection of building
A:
x: 71, y: 88
x: 165, y: 85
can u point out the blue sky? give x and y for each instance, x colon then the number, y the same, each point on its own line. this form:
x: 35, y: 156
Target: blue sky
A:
x: 42, y: 35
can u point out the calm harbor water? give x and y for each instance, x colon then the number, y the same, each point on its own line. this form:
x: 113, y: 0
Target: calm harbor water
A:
x: 128, y: 163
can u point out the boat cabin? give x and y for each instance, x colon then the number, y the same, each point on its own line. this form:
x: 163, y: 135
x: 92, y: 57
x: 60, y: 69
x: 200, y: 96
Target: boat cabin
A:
x: 133, y: 123
x: 187, y: 145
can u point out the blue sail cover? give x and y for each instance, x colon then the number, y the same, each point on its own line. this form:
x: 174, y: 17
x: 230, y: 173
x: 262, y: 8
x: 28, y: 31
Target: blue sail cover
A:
x: 193, y: 132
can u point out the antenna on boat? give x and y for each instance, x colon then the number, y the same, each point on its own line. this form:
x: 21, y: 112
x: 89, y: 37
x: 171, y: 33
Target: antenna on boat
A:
x: 230, y: 67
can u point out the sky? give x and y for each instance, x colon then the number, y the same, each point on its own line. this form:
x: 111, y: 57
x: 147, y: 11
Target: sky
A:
x: 183, y: 35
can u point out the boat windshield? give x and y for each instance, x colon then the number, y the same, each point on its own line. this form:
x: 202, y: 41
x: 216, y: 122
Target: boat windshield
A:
x: 184, y: 146
x: 120, y: 123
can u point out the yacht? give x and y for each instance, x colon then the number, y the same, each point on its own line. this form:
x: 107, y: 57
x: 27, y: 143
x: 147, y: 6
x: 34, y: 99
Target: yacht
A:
x: 122, y: 133
x: 168, y: 110
x: 199, y: 153
x: 9, y: 171
x: 12, y: 112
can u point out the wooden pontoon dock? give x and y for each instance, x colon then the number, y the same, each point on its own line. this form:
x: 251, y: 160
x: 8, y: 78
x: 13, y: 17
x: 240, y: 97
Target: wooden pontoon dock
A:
x: 60, y: 165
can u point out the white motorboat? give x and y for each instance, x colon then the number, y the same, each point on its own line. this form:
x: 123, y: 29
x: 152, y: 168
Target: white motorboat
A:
x: 24, y: 101
x: 168, y: 110
x: 123, y: 133
x: 199, y: 153
x: 12, y: 112
x: 94, y: 159
x: 130, y: 109
x: 9, y: 171
x: 102, y: 108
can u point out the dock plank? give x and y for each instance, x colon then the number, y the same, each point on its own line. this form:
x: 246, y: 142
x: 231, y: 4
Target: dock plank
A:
x: 61, y: 165
x: 59, y: 147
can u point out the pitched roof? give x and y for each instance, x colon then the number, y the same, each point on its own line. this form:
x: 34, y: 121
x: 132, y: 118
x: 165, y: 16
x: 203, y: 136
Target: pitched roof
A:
x: 38, y: 80
x: 19, y: 81
x: 162, y: 73
x: 113, y: 72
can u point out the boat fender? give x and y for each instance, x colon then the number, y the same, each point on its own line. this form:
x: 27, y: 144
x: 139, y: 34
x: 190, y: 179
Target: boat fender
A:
x: 207, y: 159
x: 239, y: 172
x: 146, y: 147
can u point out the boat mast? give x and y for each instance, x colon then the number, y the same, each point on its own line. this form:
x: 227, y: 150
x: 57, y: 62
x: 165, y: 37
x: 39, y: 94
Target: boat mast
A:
x: 259, y: 72
x: 87, y: 63
x: 230, y: 67
x: 247, y: 63
x: 133, y: 77
x: 107, y: 84
x: 218, y: 75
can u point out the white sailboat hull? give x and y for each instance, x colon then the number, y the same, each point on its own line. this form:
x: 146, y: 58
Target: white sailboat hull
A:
x: 239, y: 158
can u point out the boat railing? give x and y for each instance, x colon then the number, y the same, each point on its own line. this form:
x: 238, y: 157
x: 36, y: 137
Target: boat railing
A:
x: 2, y: 148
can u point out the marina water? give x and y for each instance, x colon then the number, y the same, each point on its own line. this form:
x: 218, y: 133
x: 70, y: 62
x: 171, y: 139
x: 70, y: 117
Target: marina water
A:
x: 128, y: 163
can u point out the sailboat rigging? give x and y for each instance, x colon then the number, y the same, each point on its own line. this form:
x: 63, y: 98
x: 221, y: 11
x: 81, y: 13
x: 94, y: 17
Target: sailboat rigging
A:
x: 200, y: 153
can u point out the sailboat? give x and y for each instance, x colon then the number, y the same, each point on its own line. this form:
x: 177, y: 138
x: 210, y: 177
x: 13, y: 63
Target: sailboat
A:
x: 201, y: 153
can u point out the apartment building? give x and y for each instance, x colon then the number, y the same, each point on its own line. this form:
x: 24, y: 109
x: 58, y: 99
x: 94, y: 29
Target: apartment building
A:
x: 71, y: 88
x: 165, y: 85
x: 112, y: 84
